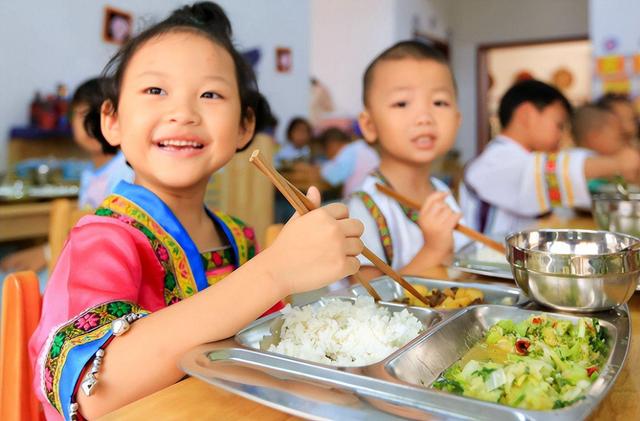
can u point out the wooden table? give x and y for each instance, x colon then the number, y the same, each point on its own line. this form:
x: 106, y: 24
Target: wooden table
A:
x: 194, y: 399
x: 19, y: 221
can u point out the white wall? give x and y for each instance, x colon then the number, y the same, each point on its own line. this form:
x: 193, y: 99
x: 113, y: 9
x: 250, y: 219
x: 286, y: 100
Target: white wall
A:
x: 347, y: 34
x: 476, y: 22
x: 44, y: 42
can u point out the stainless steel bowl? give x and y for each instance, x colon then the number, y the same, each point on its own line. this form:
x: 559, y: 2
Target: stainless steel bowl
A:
x: 618, y: 214
x: 575, y: 270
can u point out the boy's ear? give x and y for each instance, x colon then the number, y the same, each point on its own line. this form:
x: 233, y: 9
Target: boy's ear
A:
x: 367, y: 127
x: 247, y: 129
x: 109, y: 124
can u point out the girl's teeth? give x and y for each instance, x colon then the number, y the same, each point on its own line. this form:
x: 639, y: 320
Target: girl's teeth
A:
x: 180, y: 143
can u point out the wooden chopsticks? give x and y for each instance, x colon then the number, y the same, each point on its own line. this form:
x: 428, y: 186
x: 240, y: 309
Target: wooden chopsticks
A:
x: 469, y: 232
x: 302, y: 205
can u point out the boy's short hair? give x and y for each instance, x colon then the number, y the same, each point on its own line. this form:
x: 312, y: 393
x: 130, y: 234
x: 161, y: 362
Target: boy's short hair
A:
x: 402, y: 50
x: 334, y: 133
x: 586, y: 119
x: 538, y: 93
x: 608, y: 100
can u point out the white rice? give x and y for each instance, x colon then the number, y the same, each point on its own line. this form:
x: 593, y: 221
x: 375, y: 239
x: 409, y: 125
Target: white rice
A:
x: 345, y: 334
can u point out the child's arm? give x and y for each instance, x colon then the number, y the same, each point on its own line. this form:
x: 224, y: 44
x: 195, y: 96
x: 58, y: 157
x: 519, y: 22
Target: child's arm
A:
x: 625, y: 163
x: 145, y: 359
x: 437, y: 221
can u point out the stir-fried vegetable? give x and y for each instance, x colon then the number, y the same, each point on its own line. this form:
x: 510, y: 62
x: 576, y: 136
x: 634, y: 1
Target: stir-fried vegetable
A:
x: 540, y: 363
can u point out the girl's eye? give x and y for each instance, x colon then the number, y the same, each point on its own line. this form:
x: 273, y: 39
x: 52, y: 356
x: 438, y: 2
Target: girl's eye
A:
x: 155, y: 91
x: 441, y: 103
x: 211, y: 95
x: 399, y: 104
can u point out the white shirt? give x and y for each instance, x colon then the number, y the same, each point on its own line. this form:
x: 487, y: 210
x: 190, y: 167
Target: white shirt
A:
x: 98, y: 183
x: 517, y: 186
x: 288, y: 152
x: 405, y: 236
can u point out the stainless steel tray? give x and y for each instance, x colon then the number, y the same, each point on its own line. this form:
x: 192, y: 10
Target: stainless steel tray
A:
x: 469, y: 259
x: 389, y: 290
x: 391, y: 389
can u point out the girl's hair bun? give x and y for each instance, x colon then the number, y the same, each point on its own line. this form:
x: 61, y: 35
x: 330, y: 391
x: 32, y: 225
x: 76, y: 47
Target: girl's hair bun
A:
x: 207, y: 14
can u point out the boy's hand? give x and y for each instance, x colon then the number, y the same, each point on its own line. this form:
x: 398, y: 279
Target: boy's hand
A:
x: 437, y: 221
x: 316, y: 249
x: 629, y: 161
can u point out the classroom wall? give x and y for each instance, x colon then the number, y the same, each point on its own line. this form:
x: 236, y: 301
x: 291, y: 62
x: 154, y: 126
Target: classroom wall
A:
x: 476, y: 22
x: 370, y: 26
x: 43, y: 43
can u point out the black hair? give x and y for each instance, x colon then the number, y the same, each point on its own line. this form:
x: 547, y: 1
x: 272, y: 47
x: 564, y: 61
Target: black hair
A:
x: 90, y: 93
x: 402, y: 50
x: 588, y: 118
x: 334, y: 133
x: 609, y: 99
x: 294, y: 122
x: 537, y: 93
x: 207, y: 19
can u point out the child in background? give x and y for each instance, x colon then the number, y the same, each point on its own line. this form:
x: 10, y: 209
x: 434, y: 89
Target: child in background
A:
x: 107, y: 168
x: 411, y: 114
x: 108, y: 164
x: 299, y: 135
x: 154, y: 273
x: 520, y: 176
x: 348, y: 162
x: 623, y: 108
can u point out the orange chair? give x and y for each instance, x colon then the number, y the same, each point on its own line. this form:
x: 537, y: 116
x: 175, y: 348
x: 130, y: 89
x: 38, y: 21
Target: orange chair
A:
x: 21, y: 303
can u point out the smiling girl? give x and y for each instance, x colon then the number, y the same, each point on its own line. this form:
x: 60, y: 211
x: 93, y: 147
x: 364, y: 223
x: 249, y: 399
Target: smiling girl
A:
x: 154, y: 272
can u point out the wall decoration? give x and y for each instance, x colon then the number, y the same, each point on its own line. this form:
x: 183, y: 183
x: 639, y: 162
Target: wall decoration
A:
x: 610, y: 65
x: 562, y: 78
x: 636, y: 64
x: 522, y: 75
x: 117, y: 26
x: 284, y: 60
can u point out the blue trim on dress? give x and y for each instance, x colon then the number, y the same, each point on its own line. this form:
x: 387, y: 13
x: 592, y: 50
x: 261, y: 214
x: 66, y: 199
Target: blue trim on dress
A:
x: 164, y: 216
x: 76, y: 361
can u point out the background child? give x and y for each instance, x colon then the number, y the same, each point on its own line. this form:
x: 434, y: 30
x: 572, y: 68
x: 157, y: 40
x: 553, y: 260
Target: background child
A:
x: 411, y: 114
x: 180, y: 103
x: 299, y: 135
x: 520, y: 176
x: 597, y: 129
x: 97, y: 181
x: 623, y: 108
x: 348, y: 162
x: 108, y: 164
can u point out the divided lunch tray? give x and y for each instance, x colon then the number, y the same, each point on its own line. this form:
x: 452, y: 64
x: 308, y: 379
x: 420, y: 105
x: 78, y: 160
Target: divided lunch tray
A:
x: 393, y: 388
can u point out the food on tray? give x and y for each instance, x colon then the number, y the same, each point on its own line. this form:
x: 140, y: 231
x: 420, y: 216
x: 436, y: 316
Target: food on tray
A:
x: 485, y: 254
x: 343, y: 333
x: 448, y: 298
x: 540, y: 363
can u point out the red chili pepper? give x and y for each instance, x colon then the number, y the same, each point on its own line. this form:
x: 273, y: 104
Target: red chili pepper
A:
x: 591, y: 370
x: 522, y: 346
x: 536, y: 320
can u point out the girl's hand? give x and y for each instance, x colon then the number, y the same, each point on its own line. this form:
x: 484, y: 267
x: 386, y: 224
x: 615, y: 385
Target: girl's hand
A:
x: 316, y: 249
x: 437, y: 221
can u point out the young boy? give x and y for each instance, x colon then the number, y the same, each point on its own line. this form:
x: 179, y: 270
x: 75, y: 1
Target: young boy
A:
x: 411, y: 114
x: 520, y: 176
x: 622, y: 107
x: 349, y: 162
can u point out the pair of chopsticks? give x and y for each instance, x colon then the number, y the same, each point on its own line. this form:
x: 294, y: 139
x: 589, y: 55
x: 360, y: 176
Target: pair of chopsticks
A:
x: 469, y: 232
x: 302, y: 205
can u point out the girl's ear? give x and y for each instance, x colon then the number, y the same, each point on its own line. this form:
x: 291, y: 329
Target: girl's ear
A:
x: 109, y: 123
x: 368, y: 127
x: 247, y: 129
